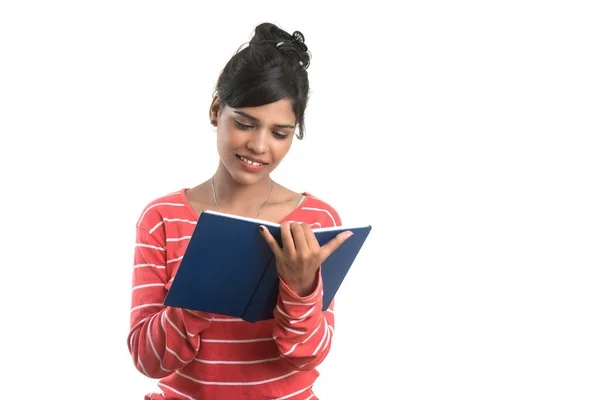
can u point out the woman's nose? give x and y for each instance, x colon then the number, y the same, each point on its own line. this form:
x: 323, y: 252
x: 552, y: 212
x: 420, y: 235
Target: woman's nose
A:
x: 258, y: 141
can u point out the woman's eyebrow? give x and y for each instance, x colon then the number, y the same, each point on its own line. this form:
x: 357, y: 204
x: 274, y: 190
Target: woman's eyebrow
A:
x: 256, y: 120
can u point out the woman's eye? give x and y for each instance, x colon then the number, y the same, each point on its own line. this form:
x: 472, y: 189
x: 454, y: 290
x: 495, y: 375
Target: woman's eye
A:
x: 279, y: 135
x: 242, y: 126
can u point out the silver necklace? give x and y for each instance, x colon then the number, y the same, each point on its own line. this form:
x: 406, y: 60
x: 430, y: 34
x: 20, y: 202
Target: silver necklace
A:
x: 212, y: 182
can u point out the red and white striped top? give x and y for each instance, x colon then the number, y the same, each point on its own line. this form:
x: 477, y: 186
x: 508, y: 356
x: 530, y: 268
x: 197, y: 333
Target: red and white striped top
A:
x: 199, y: 355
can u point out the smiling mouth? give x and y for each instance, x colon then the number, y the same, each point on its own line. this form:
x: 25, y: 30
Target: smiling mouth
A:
x: 250, y: 162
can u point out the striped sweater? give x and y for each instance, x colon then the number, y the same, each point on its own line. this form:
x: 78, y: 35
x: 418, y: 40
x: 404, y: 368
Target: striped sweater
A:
x: 199, y: 355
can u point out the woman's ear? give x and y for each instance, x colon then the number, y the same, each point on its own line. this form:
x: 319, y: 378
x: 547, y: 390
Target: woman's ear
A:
x: 213, y: 112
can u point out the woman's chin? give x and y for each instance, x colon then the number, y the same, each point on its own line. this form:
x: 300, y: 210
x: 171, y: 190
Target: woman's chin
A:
x: 248, y: 178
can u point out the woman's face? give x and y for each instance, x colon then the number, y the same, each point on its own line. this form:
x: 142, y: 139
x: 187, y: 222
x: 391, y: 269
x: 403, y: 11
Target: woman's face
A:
x: 252, y: 141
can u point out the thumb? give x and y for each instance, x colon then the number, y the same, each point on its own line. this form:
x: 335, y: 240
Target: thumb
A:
x: 334, y: 243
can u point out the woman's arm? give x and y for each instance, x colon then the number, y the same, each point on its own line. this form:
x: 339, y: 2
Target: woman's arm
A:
x: 303, y: 332
x: 161, y: 339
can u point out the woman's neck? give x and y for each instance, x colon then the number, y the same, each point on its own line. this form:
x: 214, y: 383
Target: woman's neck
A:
x: 231, y: 195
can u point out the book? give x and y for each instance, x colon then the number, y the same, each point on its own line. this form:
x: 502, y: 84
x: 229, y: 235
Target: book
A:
x: 229, y: 269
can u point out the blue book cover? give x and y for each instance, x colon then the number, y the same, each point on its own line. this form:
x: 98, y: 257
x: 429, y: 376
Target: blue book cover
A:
x: 229, y: 269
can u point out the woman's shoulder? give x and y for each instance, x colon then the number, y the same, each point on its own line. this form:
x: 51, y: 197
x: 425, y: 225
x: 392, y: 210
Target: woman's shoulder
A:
x: 170, y: 205
x: 320, y: 210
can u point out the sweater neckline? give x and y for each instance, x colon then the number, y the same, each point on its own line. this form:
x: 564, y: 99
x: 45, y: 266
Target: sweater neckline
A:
x: 192, y: 212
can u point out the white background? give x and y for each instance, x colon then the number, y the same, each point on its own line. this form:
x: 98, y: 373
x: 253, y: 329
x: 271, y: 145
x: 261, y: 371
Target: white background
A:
x: 465, y: 132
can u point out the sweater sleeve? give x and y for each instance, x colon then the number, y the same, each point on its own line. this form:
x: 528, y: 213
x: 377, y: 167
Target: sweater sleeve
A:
x: 161, y: 339
x: 302, y: 331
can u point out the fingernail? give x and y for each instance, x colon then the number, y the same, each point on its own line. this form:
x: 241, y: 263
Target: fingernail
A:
x: 261, y: 228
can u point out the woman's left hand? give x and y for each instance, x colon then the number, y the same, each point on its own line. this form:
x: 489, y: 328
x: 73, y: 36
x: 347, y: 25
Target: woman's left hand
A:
x: 301, y: 255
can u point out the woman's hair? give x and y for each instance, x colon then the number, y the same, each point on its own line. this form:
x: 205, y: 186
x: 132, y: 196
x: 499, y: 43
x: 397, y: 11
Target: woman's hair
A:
x: 271, y: 67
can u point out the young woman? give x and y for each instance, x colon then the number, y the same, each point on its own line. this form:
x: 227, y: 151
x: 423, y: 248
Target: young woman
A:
x: 257, y: 109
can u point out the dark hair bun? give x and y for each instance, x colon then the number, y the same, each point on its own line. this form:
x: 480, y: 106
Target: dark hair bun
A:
x: 291, y: 45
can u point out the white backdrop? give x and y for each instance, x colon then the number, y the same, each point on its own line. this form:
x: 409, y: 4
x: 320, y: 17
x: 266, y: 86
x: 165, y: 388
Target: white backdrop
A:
x: 465, y: 132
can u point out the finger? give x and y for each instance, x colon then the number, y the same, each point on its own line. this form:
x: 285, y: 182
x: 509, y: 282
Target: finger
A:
x: 334, y: 243
x: 287, y: 239
x: 270, y: 241
x: 300, y: 239
x: 311, y: 239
